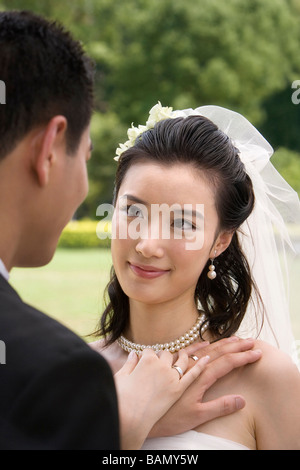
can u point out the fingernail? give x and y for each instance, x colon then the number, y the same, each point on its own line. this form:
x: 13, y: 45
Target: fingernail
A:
x: 132, y: 356
x: 205, y: 360
x: 239, y: 403
x: 258, y: 352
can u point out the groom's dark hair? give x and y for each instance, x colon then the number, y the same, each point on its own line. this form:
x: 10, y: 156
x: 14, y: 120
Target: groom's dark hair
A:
x: 46, y: 73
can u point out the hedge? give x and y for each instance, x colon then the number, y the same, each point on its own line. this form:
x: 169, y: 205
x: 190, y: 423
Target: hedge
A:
x: 86, y: 234
x: 93, y: 234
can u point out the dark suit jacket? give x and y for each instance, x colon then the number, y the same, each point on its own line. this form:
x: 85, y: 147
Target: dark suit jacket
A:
x: 55, y: 392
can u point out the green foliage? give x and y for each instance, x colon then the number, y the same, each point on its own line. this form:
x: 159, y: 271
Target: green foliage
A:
x: 85, y: 234
x: 106, y: 133
x: 288, y: 165
x: 282, y: 122
x: 240, y: 54
x: 232, y: 53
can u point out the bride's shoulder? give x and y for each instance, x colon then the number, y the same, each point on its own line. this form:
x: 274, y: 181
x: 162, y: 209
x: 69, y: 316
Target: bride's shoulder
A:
x: 103, y: 348
x: 98, y: 345
x: 272, y: 367
x: 273, y: 388
x: 112, y: 353
x: 271, y: 355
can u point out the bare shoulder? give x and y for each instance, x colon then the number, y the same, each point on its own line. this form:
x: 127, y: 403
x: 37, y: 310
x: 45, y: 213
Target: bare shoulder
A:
x: 274, y: 367
x: 98, y: 345
x: 114, y: 355
x: 275, y: 381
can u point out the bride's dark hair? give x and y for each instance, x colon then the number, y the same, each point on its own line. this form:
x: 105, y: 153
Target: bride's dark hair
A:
x: 196, y: 141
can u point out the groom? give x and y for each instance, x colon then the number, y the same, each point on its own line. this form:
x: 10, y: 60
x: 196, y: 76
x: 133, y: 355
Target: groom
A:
x: 55, y: 392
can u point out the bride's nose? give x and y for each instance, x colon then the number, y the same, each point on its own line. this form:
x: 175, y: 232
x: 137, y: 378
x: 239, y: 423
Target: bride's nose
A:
x: 150, y: 247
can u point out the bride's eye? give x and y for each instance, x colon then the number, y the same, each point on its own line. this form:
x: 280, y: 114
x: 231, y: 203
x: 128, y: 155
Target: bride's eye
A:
x: 134, y: 211
x: 184, y: 225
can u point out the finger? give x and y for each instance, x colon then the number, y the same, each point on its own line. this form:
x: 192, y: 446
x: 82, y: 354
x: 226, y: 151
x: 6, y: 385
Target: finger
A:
x: 223, y: 365
x: 147, y: 353
x: 194, y: 372
x: 130, y: 364
x: 182, y: 359
x: 181, y: 363
x: 223, y: 406
x: 193, y: 348
x: 226, y: 346
x: 166, y: 357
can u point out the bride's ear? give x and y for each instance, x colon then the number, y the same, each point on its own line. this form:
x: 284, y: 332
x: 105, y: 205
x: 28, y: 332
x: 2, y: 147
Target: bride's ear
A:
x: 221, y: 244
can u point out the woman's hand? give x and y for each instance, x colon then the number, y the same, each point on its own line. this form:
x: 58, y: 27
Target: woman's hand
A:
x: 148, y: 387
x: 190, y: 411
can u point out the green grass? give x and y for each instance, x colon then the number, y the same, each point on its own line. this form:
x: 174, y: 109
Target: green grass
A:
x: 71, y: 288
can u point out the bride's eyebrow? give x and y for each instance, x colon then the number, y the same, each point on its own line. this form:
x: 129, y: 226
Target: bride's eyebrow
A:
x: 184, y: 210
x: 134, y: 199
x: 192, y: 213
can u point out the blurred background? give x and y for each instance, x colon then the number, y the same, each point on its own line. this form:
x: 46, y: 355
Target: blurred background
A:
x: 239, y: 54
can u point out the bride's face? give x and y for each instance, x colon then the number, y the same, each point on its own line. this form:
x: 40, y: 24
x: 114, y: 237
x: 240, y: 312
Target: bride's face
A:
x: 158, y: 255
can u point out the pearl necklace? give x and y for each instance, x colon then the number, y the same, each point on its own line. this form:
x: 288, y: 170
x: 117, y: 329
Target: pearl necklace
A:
x: 180, y: 343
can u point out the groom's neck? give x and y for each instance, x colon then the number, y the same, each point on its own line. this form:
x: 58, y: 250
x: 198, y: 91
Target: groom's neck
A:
x: 13, y: 210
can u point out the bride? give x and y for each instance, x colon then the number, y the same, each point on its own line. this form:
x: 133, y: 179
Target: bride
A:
x: 195, y: 259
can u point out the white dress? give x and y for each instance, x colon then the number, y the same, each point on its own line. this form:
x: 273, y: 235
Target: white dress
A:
x: 191, y: 440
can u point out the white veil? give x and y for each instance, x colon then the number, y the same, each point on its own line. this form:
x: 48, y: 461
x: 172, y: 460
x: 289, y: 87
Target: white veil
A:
x: 264, y: 236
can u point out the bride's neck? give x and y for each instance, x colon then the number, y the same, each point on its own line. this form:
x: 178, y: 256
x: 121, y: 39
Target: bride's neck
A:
x: 159, y: 323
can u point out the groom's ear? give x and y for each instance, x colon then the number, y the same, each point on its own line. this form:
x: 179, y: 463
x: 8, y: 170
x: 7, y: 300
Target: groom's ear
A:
x: 47, y: 145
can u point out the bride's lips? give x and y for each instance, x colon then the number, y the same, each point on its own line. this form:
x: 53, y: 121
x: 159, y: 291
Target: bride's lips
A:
x: 147, y: 272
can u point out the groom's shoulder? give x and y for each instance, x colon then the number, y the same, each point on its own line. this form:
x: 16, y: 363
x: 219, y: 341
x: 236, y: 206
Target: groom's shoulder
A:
x: 33, y: 336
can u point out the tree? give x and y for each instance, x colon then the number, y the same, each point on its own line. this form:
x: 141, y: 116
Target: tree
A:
x: 239, y: 54
x: 185, y: 54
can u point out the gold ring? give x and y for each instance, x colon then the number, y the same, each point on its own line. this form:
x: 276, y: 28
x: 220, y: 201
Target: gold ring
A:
x: 179, y: 370
x: 195, y: 358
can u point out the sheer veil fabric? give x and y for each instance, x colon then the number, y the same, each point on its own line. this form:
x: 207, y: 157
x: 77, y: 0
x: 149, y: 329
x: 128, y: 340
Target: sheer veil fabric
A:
x: 264, y: 236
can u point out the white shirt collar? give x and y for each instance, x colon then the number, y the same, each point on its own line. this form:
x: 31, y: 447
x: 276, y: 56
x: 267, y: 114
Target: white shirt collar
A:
x: 3, y: 270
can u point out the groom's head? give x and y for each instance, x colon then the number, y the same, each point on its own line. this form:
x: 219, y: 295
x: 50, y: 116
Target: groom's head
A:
x: 44, y: 129
x: 46, y: 73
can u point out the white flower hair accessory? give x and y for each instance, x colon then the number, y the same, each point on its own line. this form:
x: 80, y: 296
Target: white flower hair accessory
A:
x: 156, y: 114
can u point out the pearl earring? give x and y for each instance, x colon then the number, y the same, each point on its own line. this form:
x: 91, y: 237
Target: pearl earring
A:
x: 212, y: 273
